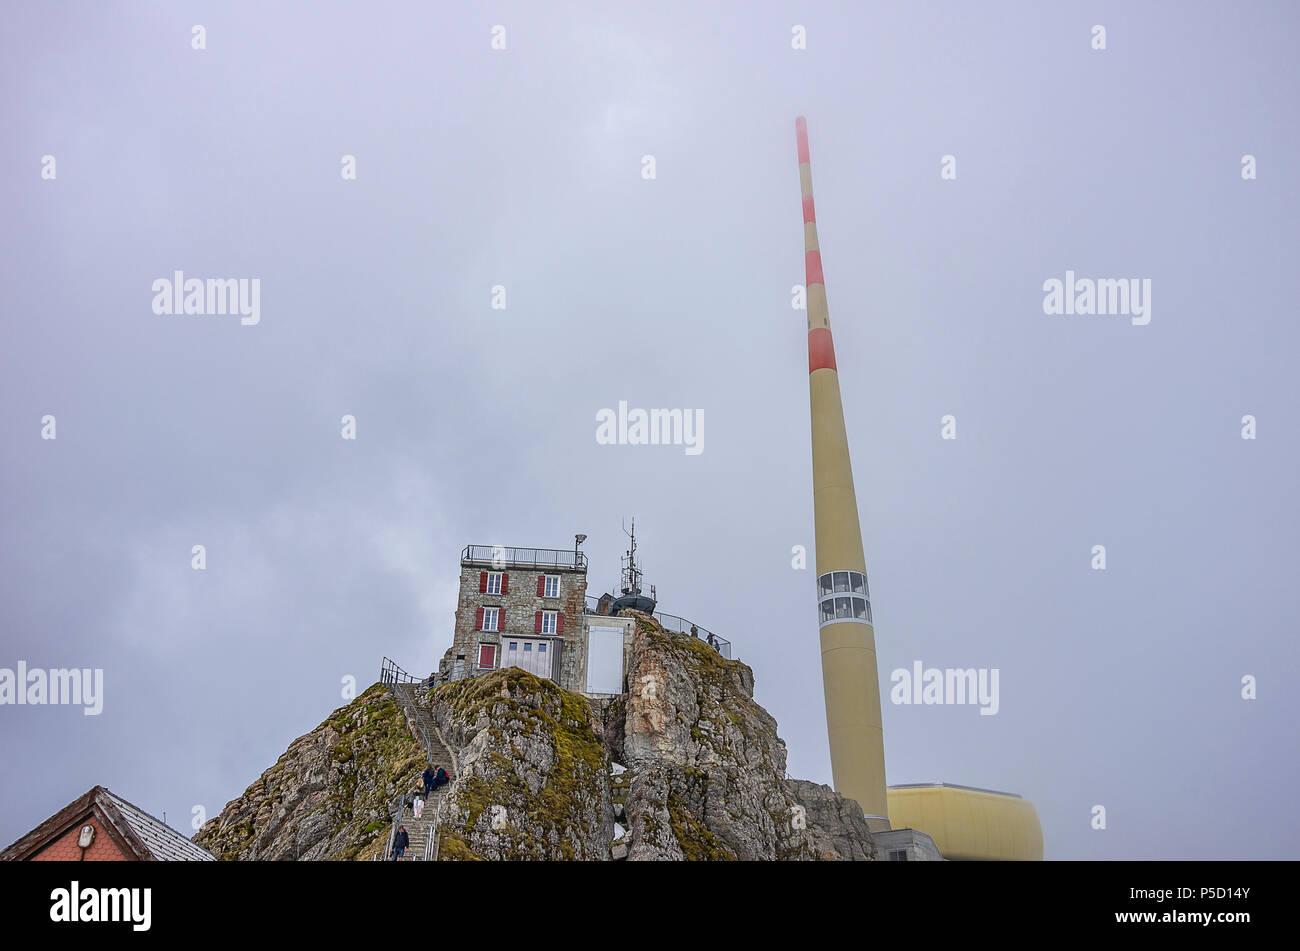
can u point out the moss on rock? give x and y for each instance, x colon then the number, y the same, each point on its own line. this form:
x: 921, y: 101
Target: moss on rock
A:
x: 528, y: 746
x: 328, y: 794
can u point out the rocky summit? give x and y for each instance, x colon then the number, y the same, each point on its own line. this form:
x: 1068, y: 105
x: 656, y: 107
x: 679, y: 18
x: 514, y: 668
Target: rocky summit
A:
x: 683, y: 766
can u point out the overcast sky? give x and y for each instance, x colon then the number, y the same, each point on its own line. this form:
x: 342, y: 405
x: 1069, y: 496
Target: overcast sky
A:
x: 523, y: 168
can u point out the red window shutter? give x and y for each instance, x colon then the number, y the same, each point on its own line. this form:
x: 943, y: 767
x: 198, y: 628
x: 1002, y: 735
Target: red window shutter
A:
x: 478, y: 620
x: 505, y: 583
x: 482, y: 582
x: 541, y: 585
x: 537, y: 623
x: 559, y: 623
x: 501, y: 619
x: 487, y: 655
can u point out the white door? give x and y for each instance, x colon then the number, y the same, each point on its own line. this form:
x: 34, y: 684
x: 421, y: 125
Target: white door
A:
x: 541, y: 658
x: 532, y: 655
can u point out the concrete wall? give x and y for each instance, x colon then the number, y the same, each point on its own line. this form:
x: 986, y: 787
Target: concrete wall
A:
x: 918, y: 846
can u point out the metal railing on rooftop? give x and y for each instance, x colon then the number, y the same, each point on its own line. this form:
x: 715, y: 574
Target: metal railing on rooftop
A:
x: 499, y: 557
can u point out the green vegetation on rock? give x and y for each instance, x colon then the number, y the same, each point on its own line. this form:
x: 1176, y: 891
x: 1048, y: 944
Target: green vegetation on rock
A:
x: 520, y: 722
x: 360, y: 754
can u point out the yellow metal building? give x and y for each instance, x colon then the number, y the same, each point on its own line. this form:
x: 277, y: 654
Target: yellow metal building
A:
x: 967, y: 823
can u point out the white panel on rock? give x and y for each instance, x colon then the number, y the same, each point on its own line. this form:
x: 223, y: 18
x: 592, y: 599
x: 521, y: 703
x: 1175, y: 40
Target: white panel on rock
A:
x: 604, y: 659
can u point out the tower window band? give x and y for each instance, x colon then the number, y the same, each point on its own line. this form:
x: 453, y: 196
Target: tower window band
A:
x: 843, y: 596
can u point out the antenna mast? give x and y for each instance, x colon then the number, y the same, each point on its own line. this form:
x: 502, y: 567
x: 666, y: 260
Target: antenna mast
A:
x: 632, y: 586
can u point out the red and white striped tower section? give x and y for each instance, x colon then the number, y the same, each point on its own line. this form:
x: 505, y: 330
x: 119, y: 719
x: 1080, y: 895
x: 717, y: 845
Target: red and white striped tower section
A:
x: 848, y: 640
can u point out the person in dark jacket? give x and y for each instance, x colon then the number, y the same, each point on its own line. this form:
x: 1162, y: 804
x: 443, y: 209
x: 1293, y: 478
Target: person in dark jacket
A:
x: 429, y: 778
x: 441, y: 779
x: 400, y: 842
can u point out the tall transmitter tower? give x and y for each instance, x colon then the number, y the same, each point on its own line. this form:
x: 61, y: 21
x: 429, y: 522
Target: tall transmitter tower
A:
x: 848, y: 640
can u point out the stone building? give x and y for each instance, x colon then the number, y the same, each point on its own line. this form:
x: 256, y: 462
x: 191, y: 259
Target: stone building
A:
x: 528, y: 607
x: 521, y: 607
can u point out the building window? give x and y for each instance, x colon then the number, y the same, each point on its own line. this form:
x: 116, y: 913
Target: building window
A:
x: 552, y: 587
x: 541, y: 648
x: 491, y: 619
x: 494, y: 582
x: 827, y: 610
x: 487, y: 656
x: 898, y: 855
x: 548, y: 622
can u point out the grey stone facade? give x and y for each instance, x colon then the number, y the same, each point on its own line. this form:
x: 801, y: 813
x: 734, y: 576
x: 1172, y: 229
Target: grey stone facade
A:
x: 519, y: 604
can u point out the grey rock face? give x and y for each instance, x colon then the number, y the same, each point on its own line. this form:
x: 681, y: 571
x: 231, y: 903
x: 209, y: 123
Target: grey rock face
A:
x: 327, y: 797
x: 836, y: 824
x: 707, y: 765
x: 532, y: 772
x: 686, y: 762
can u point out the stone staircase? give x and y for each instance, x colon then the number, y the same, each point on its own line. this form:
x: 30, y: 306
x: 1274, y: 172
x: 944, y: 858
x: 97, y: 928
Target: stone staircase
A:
x: 422, y: 728
x: 422, y: 828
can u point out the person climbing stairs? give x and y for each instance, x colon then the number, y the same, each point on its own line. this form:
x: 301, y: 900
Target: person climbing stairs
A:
x: 421, y: 830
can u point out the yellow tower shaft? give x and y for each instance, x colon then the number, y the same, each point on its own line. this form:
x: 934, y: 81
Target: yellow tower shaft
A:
x: 848, y: 640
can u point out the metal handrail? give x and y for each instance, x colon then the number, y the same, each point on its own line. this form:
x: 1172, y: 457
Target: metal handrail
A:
x: 677, y: 625
x: 391, y: 675
x: 400, y: 804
